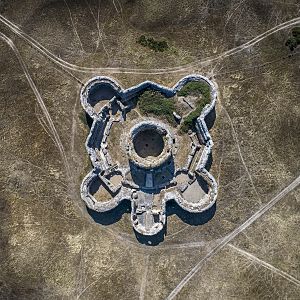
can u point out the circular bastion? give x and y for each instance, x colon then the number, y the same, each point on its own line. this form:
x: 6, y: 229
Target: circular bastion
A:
x: 149, y: 144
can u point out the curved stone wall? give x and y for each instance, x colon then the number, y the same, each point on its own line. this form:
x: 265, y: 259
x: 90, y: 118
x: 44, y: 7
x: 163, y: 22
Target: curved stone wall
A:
x: 152, y: 162
x: 96, y: 146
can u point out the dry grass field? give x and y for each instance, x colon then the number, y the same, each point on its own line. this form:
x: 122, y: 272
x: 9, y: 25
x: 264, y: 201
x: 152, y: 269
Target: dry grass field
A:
x: 50, y: 247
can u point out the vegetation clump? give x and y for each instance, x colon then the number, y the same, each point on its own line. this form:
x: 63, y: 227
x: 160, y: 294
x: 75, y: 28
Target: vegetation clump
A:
x: 154, y: 103
x: 294, y: 40
x: 151, y: 43
x: 194, y: 89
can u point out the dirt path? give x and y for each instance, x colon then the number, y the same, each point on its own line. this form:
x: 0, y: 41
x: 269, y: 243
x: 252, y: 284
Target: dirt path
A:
x: 266, y: 265
x: 40, y: 102
x: 232, y: 235
x: 144, y: 278
x: 178, y: 69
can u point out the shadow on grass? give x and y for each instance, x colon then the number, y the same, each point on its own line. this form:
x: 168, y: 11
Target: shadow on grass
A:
x: 151, y: 240
x: 114, y: 215
x: 111, y: 216
x: 194, y: 219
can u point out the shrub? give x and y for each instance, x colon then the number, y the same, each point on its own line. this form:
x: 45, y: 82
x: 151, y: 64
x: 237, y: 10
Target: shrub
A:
x: 294, y: 40
x: 194, y: 88
x: 291, y: 43
x: 153, y: 44
x: 154, y: 103
x: 296, y: 33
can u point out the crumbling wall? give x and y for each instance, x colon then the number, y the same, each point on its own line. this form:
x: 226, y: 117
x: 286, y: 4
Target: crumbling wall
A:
x: 100, y: 163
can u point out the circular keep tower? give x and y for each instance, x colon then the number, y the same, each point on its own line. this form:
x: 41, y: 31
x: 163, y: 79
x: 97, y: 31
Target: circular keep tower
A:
x: 150, y: 145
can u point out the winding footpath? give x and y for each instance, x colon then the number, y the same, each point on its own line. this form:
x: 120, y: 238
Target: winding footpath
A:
x: 19, y: 32
x: 48, y: 54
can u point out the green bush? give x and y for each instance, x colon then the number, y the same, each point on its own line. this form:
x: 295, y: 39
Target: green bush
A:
x: 296, y: 33
x: 189, y: 120
x: 294, y: 40
x: 154, y: 103
x: 194, y: 88
x: 153, y: 44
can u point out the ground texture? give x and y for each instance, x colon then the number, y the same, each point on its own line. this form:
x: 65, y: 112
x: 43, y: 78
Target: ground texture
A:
x: 50, y: 248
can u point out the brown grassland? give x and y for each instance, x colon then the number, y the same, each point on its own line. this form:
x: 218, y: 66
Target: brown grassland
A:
x: 50, y: 248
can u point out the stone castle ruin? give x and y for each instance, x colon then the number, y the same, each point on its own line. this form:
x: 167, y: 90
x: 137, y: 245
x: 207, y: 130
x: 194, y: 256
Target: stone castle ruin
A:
x: 144, y: 159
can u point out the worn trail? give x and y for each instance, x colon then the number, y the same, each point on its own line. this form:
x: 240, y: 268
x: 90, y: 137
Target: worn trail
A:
x: 40, y: 102
x: 177, y: 69
x: 266, y: 265
x: 232, y: 235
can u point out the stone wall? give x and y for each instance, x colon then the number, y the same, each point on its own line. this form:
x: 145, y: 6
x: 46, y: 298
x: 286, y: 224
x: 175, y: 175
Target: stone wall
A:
x: 100, y: 163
